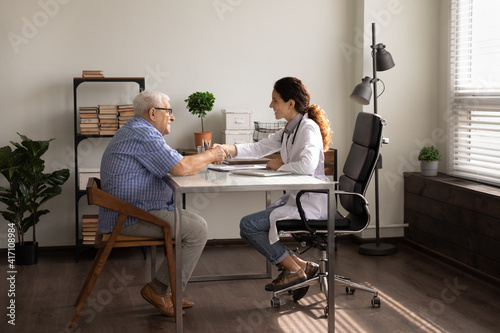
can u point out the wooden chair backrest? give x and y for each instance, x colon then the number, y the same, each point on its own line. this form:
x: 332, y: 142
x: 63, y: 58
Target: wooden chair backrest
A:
x: 96, y: 196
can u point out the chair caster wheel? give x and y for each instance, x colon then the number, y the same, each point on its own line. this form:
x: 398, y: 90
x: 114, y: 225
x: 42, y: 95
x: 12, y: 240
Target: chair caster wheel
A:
x: 326, y: 311
x: 275, y: 302
x: 349, y: 291
x: 375, y: 302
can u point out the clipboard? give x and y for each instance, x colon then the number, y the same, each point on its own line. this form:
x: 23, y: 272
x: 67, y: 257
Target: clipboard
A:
x: 239, y: 161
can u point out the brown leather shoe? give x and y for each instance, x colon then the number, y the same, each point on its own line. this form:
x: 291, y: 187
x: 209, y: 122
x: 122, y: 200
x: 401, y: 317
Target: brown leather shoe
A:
x: 185, y: 303
x: 286, y: 280
x: 167, y: 308
x: 311, y: 270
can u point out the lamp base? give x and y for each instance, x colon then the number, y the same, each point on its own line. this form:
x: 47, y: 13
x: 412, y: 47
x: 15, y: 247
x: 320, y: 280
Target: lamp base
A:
x: 374, y: 249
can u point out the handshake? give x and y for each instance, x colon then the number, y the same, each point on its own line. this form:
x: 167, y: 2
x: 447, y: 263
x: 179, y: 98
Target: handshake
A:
x: 222, y: 152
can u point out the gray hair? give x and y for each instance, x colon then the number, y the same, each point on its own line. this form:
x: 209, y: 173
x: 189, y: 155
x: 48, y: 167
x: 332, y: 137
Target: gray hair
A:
x: 147, y: 100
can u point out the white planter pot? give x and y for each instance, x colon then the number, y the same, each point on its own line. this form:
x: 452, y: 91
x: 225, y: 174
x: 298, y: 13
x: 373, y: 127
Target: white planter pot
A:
x: 429, y: 168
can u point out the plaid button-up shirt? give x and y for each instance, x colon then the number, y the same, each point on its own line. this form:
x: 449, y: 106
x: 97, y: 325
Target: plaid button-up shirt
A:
x: 133, y: 168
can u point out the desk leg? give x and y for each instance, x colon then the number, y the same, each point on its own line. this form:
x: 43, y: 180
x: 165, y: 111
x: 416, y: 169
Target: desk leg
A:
x: 331, y: 260
x: 269, y: 266
x: 178, y: 262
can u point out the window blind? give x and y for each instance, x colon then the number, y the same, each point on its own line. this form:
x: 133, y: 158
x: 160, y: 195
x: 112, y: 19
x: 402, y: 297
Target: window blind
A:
x: 474, y: 123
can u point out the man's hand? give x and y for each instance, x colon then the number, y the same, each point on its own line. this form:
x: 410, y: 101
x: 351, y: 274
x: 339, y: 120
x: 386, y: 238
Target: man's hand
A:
x: 192, y: 164
x: 219, y: 154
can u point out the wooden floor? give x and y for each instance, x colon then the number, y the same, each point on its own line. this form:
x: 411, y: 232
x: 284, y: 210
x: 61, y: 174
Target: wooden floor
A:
x: 418, y: 294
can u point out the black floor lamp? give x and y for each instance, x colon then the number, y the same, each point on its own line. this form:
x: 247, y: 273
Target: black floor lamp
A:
x: 382, y: 60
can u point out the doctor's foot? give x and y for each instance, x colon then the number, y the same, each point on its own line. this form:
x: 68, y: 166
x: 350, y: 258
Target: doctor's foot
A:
x: 286, y: 279
x: 311, y: 270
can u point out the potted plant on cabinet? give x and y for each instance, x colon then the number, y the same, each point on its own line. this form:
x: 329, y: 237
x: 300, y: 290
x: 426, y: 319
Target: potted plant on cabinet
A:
x: 429, y: 158
x: 199, y: 104
x: 29, y: 188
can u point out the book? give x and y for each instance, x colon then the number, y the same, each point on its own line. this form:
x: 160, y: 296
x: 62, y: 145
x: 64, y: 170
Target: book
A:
x: 108, y: 116
x: 90, y: 218
x: 92, y: 73
x: 89, y: 125
x: 89, y: 121
x: 90, y: 132
x: 104, y: 132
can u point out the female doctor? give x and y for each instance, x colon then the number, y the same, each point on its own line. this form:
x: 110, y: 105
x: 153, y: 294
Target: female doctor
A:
x: 301, y: 143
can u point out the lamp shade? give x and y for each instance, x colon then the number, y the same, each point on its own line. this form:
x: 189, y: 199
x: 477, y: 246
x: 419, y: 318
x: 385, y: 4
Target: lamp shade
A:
x: 384, y: 59
x: 362, y: 93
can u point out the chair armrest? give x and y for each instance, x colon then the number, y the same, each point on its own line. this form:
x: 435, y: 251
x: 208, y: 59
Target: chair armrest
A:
x: 301, y: 210
x: 365, y: 202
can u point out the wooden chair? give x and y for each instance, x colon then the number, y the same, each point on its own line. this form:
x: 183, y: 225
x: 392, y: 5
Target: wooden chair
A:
x: 106, y: 242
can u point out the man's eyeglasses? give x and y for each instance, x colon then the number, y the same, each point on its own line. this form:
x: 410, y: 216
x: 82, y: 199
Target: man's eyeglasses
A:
x: 169, y: 111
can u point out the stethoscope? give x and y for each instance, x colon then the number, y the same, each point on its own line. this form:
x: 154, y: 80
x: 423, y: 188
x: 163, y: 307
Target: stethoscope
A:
x: 294, y: 134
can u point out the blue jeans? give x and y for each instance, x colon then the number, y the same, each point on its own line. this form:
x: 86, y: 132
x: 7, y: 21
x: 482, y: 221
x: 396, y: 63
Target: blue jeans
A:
x: 254, y: 229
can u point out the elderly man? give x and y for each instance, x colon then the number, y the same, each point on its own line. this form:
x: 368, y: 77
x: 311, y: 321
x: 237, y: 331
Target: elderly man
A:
x: 133, y: 168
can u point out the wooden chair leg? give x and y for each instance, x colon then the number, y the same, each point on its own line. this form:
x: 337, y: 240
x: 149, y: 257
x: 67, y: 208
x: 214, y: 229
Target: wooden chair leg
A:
x: 169, y: 255
x: 95, y: 272
x: 153, y: 261
x: 87, y: 279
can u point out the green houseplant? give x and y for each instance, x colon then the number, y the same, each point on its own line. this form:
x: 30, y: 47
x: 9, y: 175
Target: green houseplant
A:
x: 29, y: 188
x: 429, y: 158
x: 199, y: 104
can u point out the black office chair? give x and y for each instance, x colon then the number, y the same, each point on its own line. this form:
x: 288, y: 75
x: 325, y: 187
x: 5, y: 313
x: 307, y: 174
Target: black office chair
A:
x: 350, y: 190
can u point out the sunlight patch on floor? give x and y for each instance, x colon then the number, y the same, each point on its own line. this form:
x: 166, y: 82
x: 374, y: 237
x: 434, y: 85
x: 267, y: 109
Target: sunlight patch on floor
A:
x: 423, y: 324
x: 312, y: 316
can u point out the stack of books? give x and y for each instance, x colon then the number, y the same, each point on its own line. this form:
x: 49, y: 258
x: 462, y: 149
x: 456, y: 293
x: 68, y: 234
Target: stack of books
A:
x: 89, y: 228
x: 89, y: 123
x: 125, y: 113
x: 108, y: 119
x: 90, y: 73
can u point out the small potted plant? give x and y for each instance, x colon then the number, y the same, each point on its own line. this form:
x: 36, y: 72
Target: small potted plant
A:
x: 29, y: 188
x: 199, y: 104
x: 429, y: 158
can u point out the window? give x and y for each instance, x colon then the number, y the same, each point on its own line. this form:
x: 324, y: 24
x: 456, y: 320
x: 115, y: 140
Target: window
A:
x: 475, y: 90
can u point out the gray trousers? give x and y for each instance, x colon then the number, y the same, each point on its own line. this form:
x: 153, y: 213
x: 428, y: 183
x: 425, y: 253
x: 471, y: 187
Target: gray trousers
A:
x: 194, y: 238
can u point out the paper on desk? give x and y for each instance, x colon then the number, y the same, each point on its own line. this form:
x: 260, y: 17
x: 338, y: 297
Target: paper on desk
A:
x: 228, y: 168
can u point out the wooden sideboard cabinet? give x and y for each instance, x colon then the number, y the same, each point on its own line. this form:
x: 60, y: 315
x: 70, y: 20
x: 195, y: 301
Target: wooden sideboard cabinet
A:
x: 457, y: 218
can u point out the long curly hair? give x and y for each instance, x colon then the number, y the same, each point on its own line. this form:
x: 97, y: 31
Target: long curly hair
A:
x: 292, y: 88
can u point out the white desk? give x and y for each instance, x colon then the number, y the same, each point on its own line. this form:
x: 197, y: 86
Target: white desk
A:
x: 217, y: 182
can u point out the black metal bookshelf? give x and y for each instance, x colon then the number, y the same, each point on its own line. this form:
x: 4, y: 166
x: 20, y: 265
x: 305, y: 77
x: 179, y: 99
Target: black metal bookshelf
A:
x: 78, y: 138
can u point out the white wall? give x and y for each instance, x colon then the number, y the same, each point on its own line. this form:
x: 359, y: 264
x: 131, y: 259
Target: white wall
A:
x: 235, y: 49
x: 410, y: 30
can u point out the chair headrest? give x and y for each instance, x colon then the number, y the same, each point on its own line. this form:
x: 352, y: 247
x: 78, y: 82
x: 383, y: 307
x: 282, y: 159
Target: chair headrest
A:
x: 366, y: 134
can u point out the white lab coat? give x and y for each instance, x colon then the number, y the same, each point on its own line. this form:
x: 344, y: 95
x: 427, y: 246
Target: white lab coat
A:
x: 306, y: 157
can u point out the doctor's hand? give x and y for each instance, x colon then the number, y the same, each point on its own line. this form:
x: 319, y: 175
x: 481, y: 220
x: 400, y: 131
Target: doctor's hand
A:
x: 274, y: 164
